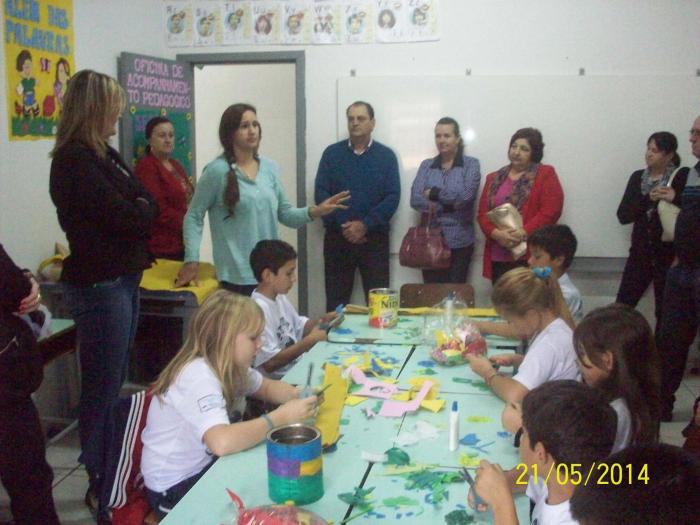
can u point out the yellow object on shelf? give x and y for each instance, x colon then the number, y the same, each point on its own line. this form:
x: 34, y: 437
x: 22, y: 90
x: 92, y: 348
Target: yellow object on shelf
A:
x: 161, y: 278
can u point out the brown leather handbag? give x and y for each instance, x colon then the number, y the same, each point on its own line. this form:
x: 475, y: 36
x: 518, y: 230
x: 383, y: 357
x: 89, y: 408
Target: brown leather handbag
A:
x: 424, y: 247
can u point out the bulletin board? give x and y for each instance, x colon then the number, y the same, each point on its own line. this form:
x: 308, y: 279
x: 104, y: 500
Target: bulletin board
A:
x: 157, y: 87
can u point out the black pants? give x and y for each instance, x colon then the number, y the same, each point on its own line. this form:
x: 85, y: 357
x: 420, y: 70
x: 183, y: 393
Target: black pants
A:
x: 242, y: 289
x: 458, y: 270
x: 498, y: 268
x: 163, y: 502
x: 24, y: 471
x: 641, y: 270
x: 679, y: 324
x: 343, y: 257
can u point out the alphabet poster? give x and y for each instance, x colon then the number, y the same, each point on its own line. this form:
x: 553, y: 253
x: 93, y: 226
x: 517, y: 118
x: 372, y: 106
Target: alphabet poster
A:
x: 38, y: 61
x: 299, y: 22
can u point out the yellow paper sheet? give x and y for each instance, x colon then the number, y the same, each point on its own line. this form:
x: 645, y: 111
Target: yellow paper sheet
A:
x: 434, y: 405
x: 471, y: 312
x: 328, y: 418
x: 161, y: 277
x: 352, y: 401
x: 417, y: 382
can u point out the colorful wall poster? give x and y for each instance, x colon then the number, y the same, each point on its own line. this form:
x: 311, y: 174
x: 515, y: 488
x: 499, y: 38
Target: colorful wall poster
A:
x: 235, y: 19
x: 296, y: 23
x: 389, y: 20
x: 207, y: 24
x: 39, y: 61
x: 177, y: 18
x: 157, y: 87
x: 358, y: 22
x: 326, y: 23
x: 421, y: 22
x: 266, y: 22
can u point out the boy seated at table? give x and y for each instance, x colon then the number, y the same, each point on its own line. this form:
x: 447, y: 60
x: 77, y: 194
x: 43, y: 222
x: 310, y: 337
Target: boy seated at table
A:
x: 552, y: 246
x: 567, y: 427
x: 646, y: 484
x: 287, y: 334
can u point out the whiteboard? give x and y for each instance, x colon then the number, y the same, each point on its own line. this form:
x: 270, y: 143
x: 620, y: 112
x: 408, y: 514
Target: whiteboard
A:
x: 594, y: 128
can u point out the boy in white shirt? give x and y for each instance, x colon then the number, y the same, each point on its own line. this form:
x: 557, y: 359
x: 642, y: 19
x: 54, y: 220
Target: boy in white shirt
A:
x: 287, y: 334
x: 567, y: 427
x: 551, y: 246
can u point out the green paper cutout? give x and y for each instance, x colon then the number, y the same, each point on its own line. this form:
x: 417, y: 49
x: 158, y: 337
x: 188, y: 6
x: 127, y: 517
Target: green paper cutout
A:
x: 426, y: 372
x: 459, y: 517
x: 479, y: 419
x: 396, y: 456
x: 401, y: 501
x: 473, y: 382
x: 436, y: 482
x: 344, y: 421
x: 360, y: 498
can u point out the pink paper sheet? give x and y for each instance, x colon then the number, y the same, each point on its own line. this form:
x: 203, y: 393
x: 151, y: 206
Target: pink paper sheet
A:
x: 370, y: 387
x: 399, y: 408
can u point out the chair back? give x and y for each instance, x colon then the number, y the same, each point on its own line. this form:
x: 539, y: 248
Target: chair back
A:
x: 415, y: 295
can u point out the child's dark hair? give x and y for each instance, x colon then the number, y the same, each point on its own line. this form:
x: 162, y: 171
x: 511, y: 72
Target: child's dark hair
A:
x: 573, y: 421
x: 659, y: 487
x: 557, y: 240
x: 626, y: 334
x: 270, y: 255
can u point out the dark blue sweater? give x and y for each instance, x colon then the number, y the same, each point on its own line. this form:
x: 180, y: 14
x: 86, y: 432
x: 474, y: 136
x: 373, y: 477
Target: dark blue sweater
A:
x: 373, y: 181
x: 687, y: 233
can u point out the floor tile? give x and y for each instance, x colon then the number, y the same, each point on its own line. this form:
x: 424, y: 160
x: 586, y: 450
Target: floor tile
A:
x: 69, y: 497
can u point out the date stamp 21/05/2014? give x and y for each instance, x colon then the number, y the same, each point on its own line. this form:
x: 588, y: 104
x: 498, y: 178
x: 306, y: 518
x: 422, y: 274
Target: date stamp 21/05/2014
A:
x: 576, y: 474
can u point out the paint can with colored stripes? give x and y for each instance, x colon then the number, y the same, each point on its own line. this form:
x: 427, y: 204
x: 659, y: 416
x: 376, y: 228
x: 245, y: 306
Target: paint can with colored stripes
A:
x: 294, y: 464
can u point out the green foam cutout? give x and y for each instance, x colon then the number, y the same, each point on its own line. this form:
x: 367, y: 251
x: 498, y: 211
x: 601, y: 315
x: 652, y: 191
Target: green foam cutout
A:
x: 396, y: 456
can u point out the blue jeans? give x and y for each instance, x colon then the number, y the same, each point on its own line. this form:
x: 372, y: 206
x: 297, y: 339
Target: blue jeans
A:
x: 679, y: 324
x: 106, y: 316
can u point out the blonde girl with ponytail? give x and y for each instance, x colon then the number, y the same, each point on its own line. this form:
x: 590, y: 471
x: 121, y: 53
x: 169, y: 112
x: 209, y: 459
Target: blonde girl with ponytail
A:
x: 530, y: 300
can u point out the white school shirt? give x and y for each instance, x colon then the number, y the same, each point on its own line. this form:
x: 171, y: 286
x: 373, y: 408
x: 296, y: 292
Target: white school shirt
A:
x: 572, y: 297
x: 173, y: 446
x: 283, y: 327
x: 544, y: 513
x: 624, y: 425
x: 550, y: 356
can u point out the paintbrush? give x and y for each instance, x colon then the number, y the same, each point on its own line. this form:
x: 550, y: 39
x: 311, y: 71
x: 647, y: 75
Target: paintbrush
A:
x: 468, y: 478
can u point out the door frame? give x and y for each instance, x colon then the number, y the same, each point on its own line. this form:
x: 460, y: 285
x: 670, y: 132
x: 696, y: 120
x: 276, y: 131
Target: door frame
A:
x: 277, y: 57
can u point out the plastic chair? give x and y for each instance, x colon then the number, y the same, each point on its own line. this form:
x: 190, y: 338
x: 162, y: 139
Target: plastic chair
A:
x: 416, y: 294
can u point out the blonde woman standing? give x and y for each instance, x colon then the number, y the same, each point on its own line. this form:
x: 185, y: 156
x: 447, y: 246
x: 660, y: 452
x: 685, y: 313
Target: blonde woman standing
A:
x: 106, y: 214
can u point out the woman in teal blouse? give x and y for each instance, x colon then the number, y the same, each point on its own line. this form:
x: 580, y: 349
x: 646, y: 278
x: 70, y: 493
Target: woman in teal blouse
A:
x: 245, y: 199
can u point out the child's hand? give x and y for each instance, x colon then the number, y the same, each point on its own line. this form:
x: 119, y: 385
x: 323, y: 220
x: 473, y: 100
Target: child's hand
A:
x: 512, y: 417
x: 317, y: 334
x: 480, y: 365
x: 327, y: 318
x: 491, y: 484
x: 503, y: 359
x: 297, y: 410
x: 470, y: 501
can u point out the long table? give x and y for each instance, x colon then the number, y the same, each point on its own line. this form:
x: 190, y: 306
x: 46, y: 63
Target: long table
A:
x: 245, y: 473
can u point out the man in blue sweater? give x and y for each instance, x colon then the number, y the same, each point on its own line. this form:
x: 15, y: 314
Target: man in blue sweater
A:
x: 359, y: 236
x: 681, y: 306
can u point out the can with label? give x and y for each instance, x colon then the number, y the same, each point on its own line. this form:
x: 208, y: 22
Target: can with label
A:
x: 383, y: 308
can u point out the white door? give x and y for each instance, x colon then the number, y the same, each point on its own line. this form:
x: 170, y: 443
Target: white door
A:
x: 271, y: 89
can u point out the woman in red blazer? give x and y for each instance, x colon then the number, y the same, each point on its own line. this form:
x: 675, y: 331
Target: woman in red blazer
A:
x: 166, y: 180
x: 531, y: 187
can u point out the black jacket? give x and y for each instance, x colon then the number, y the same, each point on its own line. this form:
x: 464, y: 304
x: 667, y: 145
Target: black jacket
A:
x: 105, y: 212
x: 646, y: 232
x: 21, y: 366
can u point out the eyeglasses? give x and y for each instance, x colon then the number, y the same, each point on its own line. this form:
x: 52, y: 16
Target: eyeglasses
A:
x: 694, y: 132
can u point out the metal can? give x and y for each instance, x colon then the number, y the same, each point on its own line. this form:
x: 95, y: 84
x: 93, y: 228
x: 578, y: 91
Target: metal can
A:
x: 383, y: 307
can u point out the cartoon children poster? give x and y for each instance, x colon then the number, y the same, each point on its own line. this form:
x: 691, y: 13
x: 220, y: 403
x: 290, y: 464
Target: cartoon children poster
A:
x: 178, y: 23
x: 38, y: 63
x: 266, y: 22
x: 207, y: 24
x: 389, y: 20
x: 326, y: 23
x: 296, y: 23
x: 358, y: 22
x: 421, y: 20
x: 235, y: 17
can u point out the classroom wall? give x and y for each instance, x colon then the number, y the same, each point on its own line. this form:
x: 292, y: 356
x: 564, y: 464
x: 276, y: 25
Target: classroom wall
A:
x: 501, y: 37
x: 103, y: 29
